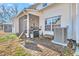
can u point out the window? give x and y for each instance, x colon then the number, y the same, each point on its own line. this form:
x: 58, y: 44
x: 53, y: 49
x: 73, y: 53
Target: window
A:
x: 44, y: 4
x: 50, y: 23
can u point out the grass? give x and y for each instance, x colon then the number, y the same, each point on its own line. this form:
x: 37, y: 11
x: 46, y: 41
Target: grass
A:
x: 7, y: 37
x: 68, y: 52
x: 20, y: 52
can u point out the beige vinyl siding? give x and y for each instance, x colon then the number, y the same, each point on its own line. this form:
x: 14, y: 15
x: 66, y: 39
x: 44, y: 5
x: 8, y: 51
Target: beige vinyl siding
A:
x: 74, y: 19
x: 54, y: 10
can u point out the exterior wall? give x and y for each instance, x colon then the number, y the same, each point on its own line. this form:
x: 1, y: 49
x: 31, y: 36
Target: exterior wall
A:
x: 55, y: 10
x: 67, y: 12
x: 69, y: 21
x: 15, y: 27
x: 7, y: 27
x: 22, y: 23
x: 74, y: 20
x: 77, y: 23
x: 1, y: 27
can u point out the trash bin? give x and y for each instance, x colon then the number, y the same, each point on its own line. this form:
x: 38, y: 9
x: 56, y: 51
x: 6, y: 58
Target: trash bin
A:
x: 36, y: 33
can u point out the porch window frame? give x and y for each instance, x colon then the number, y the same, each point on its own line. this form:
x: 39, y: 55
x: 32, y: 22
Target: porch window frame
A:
x: 59, y: 16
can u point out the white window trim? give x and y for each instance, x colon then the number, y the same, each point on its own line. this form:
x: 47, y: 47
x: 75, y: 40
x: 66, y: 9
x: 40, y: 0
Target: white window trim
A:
x: 51, y: 21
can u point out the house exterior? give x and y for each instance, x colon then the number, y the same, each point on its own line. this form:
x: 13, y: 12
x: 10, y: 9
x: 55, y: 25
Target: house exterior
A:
x: 6, y: 27
x: 47, y: 16
x: 1, y: 27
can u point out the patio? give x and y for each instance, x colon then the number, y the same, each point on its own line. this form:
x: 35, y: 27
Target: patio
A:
x: 42, y: 47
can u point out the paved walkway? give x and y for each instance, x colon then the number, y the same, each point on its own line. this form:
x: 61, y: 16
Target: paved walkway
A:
x: 42, y: 47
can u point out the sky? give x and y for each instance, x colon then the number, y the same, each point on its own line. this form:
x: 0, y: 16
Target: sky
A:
x: 23, y: 5
x: 20, y: 6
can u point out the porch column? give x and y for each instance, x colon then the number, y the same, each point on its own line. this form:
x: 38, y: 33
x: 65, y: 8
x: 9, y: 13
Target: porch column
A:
x: 28, y: 25
x: 77, y: 23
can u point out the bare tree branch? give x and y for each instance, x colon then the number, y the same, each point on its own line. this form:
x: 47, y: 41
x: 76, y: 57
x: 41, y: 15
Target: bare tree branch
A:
x: 6, y: 13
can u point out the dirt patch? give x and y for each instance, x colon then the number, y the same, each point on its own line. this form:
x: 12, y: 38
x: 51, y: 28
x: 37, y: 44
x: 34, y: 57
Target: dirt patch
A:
x: 2, y: 33
x: 12, y: 48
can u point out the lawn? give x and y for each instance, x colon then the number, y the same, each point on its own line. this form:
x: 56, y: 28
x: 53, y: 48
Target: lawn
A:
x: 7, y: 37
x: 10, y: 46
